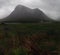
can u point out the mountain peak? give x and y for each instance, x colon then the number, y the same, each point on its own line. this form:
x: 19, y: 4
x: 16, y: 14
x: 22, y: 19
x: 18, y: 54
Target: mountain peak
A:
x: 21, y: 7
x: 23, y: 13
x: 18, y: 6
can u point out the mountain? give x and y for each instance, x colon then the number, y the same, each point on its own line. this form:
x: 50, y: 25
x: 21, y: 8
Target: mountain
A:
x: 24, y: 14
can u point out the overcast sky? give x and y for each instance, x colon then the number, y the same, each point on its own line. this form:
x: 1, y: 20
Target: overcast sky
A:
x: 50, y: 7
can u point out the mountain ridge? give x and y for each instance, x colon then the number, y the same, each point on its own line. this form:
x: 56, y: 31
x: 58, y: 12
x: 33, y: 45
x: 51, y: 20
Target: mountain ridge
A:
x: 24, y: 14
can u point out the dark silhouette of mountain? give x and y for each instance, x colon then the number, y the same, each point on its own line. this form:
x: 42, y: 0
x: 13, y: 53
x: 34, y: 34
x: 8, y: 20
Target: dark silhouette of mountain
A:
x: 25, y: 14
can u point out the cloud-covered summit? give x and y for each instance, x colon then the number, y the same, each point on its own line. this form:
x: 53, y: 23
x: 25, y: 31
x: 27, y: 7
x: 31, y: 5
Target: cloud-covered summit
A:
x: 50, y: 7
x: 25, y: 14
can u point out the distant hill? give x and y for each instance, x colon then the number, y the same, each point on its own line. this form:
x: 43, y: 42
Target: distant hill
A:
x: 25, y: 14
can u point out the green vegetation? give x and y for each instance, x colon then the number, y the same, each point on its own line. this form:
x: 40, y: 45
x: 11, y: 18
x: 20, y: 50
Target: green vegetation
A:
x: 30, y: 38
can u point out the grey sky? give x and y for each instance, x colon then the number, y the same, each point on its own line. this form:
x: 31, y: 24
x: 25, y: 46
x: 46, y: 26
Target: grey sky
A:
x: 49, y: 7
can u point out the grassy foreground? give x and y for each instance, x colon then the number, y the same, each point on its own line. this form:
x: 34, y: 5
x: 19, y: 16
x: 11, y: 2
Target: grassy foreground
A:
x: 30, y: 39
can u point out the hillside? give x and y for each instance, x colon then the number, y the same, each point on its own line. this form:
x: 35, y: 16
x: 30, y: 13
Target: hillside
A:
x: 25, y: 14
